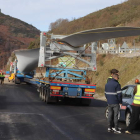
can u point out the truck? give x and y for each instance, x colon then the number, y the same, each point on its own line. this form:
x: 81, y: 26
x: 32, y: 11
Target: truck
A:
x: 63, y: 80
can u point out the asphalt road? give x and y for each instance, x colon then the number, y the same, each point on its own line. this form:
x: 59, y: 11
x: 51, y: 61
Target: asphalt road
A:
x: 23, y: 116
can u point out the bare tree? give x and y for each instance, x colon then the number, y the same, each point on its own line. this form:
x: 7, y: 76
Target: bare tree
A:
x: 57, y: 23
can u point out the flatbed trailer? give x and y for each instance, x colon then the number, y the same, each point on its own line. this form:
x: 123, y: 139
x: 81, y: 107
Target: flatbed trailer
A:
x: 50, y: 91
x: 53, y: 89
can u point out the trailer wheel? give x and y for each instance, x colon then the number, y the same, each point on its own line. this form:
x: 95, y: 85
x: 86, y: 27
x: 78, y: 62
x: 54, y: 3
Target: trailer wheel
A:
x: 17, y: 80
x: 47, y: 95
x: 40, y: 92
x: 44, y: 94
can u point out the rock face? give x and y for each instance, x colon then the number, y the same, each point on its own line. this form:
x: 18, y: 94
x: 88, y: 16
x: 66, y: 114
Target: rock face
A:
x: 14, y: 34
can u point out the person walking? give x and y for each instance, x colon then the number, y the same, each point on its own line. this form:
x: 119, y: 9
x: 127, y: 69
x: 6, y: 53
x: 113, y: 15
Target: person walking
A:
x: 135, y: 109
x: 113, y: 95
x: 2, y: 78
x: 113, y: 71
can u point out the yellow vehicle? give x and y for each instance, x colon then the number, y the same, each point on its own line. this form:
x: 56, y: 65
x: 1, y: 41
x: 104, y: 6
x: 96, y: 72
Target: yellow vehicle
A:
x: 11, y: 77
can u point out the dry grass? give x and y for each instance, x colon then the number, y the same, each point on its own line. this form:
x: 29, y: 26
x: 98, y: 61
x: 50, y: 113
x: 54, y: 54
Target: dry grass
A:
x: 128, y: 69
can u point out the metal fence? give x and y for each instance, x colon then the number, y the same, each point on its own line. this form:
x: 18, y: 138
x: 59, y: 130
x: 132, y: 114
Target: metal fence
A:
x: 118, y: 51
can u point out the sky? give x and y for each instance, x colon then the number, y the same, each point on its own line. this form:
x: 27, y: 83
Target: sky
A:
x: 40, y: 13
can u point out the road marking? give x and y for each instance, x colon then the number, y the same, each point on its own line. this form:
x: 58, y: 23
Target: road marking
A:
x: 74, y: 115
x: 20, y: 113
x: 45, y: 118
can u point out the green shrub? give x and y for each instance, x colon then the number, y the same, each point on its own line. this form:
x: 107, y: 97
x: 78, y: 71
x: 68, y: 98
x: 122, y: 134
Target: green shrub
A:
x: 103, y: 55
x: 97, y: 73
x: 101, y: 63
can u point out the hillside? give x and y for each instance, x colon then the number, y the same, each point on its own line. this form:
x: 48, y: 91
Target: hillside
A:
x: 124, y: 14
x: 129, y: 69
x: 14, y: 34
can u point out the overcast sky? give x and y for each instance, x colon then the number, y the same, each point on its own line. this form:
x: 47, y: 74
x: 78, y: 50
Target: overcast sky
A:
x: 40, y: 13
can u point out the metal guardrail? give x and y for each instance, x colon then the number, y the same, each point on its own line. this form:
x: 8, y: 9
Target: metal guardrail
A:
x: 118, y: 51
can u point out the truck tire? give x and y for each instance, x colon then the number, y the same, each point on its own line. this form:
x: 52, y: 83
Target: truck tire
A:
x: 128, y: 118
x: 17, y: 81
x: 40, y: 92
x: 44, y: 94
x: 47, y: 95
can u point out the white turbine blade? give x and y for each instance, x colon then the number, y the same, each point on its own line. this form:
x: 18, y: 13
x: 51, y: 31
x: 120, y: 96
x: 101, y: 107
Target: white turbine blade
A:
x: 27, y: 60
x: 80, y: 38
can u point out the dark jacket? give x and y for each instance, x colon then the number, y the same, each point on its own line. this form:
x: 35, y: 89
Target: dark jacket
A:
x: 109, y: 78
x: 113, y: 92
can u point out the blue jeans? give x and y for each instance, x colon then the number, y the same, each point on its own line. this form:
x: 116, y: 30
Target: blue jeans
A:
x: 113, y: 115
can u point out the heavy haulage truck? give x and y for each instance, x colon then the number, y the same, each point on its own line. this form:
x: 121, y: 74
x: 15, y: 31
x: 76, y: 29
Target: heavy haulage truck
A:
x: 63, y: 62
x: 57, y: 80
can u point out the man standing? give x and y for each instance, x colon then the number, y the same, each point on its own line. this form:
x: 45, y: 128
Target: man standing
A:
x: 113, y: 71
x: 114, y: 99
x: 135, y: 109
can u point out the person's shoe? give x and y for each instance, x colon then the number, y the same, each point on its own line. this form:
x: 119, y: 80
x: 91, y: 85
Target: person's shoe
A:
x: 109, y: 130
x: 117, y: 131
x: 127, y: 132
x: 118, y: 128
